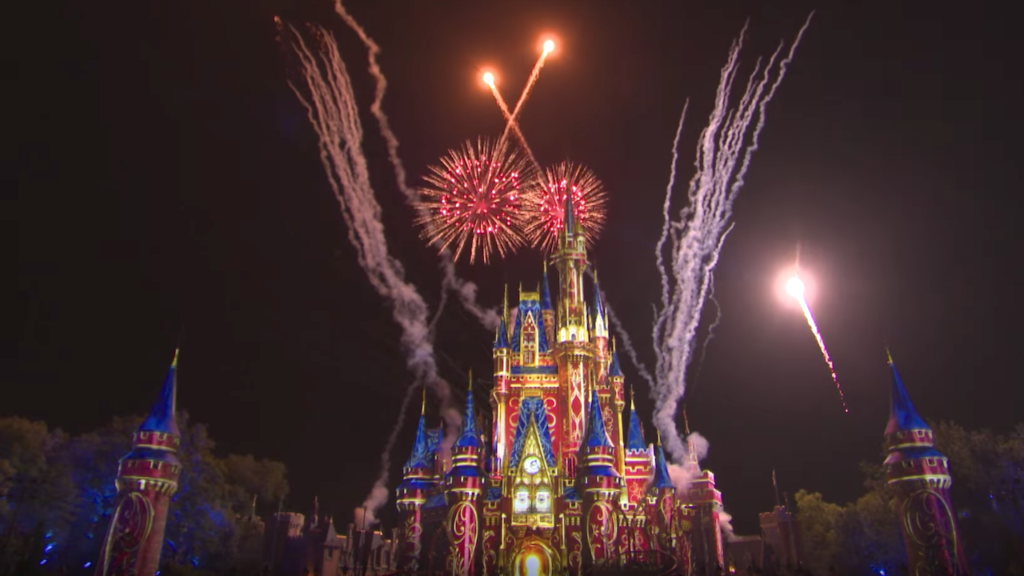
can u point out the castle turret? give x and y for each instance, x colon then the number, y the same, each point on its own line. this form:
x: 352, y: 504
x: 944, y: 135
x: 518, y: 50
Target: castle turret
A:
x: 638, y: 465
x: 919, y: 476
x: 574, y: 353
x: 147, y: 478
x: 601, y: 489
x: 662, y: 491
x: 704, y: 503
x: 417, y: 480
x: 462, y: 493
x: 499, y: 395
x: 547, y: 308
x: 613, y: 390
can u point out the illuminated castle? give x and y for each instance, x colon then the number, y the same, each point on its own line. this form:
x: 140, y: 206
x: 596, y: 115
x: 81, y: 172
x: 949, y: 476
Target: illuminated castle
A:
x: 563, y: 484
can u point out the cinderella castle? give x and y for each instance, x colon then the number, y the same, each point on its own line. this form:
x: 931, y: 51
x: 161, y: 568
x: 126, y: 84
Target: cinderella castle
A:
x: 565, y: 481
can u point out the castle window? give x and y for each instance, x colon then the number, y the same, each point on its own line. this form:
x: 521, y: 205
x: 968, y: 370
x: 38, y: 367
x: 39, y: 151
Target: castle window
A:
x: 521, y: 504
x: 529, y: 342
x: 542, y: 502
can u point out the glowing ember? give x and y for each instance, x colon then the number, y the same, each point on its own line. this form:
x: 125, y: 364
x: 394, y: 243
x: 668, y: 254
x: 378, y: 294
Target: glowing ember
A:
x: 795, y: 288
x: 549, y: 46
x: 489, y: 79
x: 473, y: 197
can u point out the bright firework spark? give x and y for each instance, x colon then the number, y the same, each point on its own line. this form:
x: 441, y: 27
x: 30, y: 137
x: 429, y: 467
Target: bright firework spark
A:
x: 474, y: 197
x: 795, y: 288
x: 544, y: 204
x: 724, y: 151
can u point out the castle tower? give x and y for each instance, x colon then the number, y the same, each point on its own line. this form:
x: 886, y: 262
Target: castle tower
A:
x: 601, y: 491
x: 638, y: 465
x: 704, y: 502
x: 663, y: 493
x: 417, y: 479
x: 574, y: 353
x: 610, y: 388
x: 147, y: 478
x: 462, y: 493
x: 545, y: 305
x: 499, y: 395
x: 919, y: 475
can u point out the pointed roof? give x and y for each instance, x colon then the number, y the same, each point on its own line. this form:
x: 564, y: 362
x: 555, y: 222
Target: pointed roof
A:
x: 532, y: 413
x: 613, y: 367
x: 421, y: 449
x: 530, y: 305
x: 662, y: 479
x: 597, y: 437
x: 902, y: 415
x: 545, y: 292
x: 469, y: 437
x: 331, y: 539
x: 501, y: 336
x: 161, y: 416
x: 598, y: 306
x: 636, y: 431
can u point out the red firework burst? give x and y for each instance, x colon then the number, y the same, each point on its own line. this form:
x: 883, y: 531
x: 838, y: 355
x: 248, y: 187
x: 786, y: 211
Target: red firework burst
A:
x: 474, y: 197
x: 544, y: 204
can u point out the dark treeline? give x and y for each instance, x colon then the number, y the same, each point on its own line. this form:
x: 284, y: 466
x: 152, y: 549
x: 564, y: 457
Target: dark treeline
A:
x: 57, y: 493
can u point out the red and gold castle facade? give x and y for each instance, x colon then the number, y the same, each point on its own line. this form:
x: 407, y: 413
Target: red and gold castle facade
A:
x: 563, y: 482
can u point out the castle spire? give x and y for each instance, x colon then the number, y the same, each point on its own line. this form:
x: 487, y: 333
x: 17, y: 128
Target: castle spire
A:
x: 545, y: 292
x: 469, y: 437
x: 635, y: 441
x: 161, y: 416
x: 600, y: 322
x: 902, y: 415
x: 569, y: 218
x: 598, y: 436
x: 662, y: 479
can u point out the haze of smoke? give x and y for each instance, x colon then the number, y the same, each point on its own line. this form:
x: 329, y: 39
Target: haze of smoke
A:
x: 333, y: 113
x: 697, y: 236
x: 725, y: 522
x: 683, y: 476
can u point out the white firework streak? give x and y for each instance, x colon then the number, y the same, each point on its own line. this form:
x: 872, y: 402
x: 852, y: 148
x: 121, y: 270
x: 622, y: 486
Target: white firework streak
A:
x: 703, y: 225
x: 333, y: 113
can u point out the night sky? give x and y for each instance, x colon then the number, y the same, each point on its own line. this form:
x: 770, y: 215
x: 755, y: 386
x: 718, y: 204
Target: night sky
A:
x: 170, y: 191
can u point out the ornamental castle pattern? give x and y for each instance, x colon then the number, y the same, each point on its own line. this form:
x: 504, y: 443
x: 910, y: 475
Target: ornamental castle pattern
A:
x: 564, y: 481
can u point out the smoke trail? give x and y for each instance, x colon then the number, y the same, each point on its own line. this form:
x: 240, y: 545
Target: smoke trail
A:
x: 332, y: 111
x: 711, y: 330
x: 725, y: 522
x: 465, y: 289
x: 699, y: 233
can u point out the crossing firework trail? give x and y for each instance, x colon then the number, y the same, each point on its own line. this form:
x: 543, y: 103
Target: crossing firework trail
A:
x: 510, y: 122
x: 695, y: 239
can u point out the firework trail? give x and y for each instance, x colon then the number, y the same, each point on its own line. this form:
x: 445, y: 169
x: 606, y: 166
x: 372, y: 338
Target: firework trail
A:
x: 510, y: 123
x: 466, y: 290
x: 332, y: 111
x: 795, y: 288
x: 473, y: 196
x: 697, y: 236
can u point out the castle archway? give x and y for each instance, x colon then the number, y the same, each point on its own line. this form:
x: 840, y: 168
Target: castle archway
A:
x: 535, y: 558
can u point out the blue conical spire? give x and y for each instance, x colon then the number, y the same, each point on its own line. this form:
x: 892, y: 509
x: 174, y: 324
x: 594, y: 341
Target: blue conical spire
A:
x: 501, y: 336
x: 161, y: 416
x: 661, y: 475
x: 636, y: 433
x: 421, y: 453
x: 545, y: 292
x: 469, y: 437
x: 613, y: 367
x: 597, y: 436
x: 902, y: 415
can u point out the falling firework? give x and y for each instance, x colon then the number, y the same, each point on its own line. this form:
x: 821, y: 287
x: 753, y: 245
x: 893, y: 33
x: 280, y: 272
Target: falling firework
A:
x: 724, y: 151
x: 473, y: 197
x: 795, y: 288
x: 333, y: 113
x: 544, y: 205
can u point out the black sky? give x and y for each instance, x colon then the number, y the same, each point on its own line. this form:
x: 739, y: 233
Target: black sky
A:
x: 169, y: 190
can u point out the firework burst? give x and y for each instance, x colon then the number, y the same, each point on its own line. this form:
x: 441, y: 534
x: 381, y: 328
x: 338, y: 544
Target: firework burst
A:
x: 473, y: 197
x: 544, y: 204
